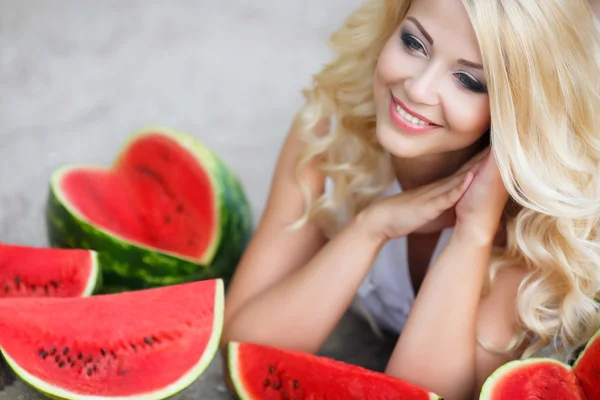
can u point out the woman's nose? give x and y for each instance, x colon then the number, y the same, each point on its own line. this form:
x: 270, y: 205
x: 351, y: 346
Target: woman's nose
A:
x: 423, y: 86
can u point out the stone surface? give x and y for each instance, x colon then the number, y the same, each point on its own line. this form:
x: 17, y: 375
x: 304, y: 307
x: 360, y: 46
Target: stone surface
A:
x: 77, y: 77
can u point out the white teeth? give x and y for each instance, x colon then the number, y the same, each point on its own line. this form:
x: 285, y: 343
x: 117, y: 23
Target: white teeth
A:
x: 410, y: 118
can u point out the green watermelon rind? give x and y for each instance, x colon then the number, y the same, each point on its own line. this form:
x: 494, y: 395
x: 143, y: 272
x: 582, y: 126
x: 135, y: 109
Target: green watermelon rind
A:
x: 123, y: 259
x: 236, y: 378
x: 234, y: 371
x: 487, y: 391
x: 94, y: 283
x: 185, y: 381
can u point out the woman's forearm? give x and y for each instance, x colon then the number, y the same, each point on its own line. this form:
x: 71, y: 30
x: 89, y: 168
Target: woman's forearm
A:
x: 437, y: 346
x: 303, y: 309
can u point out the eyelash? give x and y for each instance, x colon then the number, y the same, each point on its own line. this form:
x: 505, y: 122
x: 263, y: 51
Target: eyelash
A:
x: 412, y: 45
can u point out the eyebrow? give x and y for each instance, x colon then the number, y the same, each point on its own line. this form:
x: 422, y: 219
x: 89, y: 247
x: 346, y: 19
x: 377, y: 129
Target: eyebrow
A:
x: 470, y: 64
x: 461, y: 61
x: 420, y: 27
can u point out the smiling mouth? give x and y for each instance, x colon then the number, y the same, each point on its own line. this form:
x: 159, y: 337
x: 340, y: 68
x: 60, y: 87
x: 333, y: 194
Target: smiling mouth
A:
x: 410, y: 117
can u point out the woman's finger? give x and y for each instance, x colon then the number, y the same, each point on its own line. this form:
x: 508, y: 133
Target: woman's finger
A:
x: 472, y: 166
x: 446, y: 185
x: 449, y: 198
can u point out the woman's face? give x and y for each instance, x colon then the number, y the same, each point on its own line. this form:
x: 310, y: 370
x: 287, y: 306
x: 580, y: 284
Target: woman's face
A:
x: 429, y: 88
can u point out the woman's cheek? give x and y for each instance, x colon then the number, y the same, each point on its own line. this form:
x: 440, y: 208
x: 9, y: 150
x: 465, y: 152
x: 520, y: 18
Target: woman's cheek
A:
x: 466, y: 115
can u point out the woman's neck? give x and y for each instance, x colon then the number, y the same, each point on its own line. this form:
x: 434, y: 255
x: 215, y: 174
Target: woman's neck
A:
x: 419, y: 171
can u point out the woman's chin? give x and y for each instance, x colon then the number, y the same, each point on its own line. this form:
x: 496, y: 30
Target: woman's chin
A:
x: 402, y: 144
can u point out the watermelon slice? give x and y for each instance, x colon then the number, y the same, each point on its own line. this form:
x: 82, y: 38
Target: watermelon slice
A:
x: 533, y: 378
x: 587, y: 368
x: 147, y: 344
x: 168, y: 211
x: 266, y: 373
x: 548, y: 379
x: 40, y: 272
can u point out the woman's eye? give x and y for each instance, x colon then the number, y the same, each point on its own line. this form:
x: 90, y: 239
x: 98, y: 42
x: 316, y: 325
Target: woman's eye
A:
x: 471, y: 83
x: 412, y: 43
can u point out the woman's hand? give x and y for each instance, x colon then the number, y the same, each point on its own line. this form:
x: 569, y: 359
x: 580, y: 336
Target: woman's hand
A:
x: 479, y: 210
x: 425, y: 209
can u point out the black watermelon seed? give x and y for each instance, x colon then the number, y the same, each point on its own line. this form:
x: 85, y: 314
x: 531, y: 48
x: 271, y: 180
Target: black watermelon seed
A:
x: 148, y: 340
x: 17, y: 280
x: 53, y: 351
x: 55, y: 284
x: 267, y: 383
x: 112, y: 353
x: 72, y: 364
x: 43, y: 354
x: 154, y: 338
x: 271, y: 369
x: 276, y: 385
x: 69, y: 360
x: 57, y: 358
x: 89, y: 371
x: 295, y: 384
x: 62, y: 364
x: 133, y: 346
x: 95, y: 368
x: 66, y: 351
x: 80, y: 356
x: 103, y: 352
x: 89, y: 359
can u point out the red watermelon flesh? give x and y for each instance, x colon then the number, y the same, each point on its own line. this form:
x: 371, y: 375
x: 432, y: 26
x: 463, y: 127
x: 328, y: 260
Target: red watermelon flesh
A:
x: 266, y: 373
x: 535, y: 378
x: 40, y: 272
x: 145, y: 344
x: 158, y: 195
x: 587, y: 368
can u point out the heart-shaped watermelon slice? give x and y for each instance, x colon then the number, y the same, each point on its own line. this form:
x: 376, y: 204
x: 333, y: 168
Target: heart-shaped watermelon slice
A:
x: 168, y: 211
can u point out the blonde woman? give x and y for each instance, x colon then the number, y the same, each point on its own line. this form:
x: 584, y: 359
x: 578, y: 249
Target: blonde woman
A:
x: 389, y: 199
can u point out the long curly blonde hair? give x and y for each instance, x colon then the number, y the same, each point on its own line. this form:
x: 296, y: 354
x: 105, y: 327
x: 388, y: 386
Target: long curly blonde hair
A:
x: 543, y: 79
